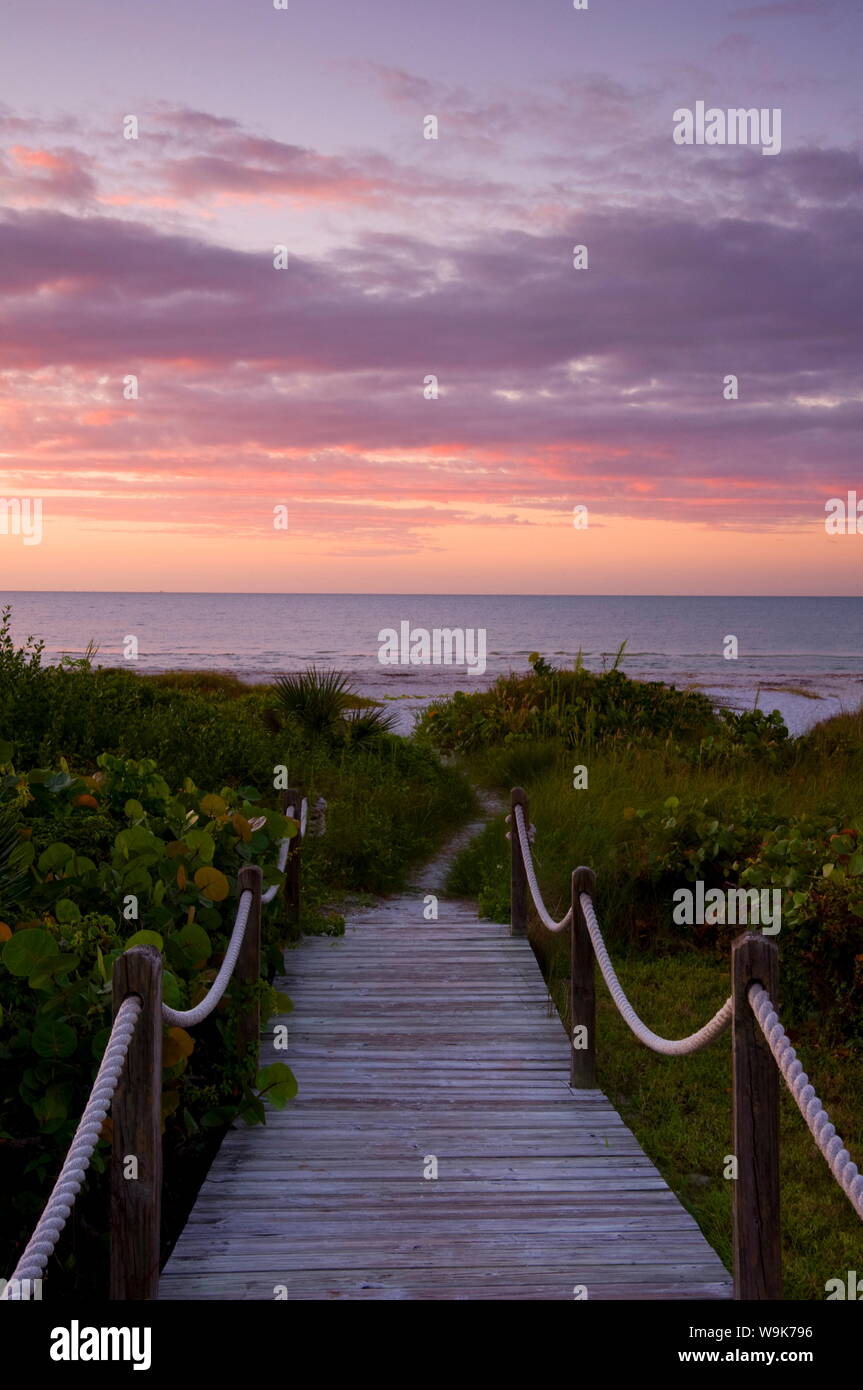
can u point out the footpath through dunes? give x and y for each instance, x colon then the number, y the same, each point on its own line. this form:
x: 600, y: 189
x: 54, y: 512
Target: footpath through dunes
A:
x: 425, y: 1047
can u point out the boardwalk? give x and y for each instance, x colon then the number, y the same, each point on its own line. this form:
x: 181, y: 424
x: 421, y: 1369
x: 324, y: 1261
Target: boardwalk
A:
x: 413, y: 1040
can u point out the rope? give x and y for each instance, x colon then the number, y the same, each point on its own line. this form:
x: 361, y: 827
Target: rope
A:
x: 282, y: 861
x: 669, y: 1047
x: 838, y: 1159
x: 187, y: 1018
x: 68, y: 1185
x: 285, y: 847
x: 43, y: 1240
x: 530, y: 872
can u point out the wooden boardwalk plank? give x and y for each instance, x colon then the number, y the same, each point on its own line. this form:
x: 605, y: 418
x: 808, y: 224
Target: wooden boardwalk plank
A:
x: 413, y: 1040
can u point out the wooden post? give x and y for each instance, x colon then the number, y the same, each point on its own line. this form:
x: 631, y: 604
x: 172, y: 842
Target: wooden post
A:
x: 248, y: 968
x: 517, y: 876
x: 757, y: 1246
x: 292, y: 797
x: 136, y: 1133
x: 582, y: 986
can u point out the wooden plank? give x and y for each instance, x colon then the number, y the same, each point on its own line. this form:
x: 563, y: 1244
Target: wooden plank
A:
x: 136, y: 1141
x: 247, y: 971
x: 757, y: 1244
x: 412, y: 1039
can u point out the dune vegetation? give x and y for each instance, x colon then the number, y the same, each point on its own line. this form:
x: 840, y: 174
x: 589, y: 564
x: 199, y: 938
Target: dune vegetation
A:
x: 655, y: 791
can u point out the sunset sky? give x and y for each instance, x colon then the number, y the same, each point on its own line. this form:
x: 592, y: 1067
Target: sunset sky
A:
x: 411, y: 257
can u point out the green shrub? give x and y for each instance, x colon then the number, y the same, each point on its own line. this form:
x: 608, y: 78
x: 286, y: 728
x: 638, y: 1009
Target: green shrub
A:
x: 104, y: 863
x: 579, y: 708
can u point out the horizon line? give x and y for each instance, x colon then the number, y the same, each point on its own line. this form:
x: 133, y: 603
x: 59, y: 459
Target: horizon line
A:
x: 396, y: 593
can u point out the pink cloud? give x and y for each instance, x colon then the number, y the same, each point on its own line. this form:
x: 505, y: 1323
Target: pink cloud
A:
x: 37, y: 176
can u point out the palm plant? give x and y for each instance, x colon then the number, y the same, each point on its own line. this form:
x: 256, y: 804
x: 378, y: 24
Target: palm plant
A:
x: 315, y: 699
x: 365, y: 724
x: 11, y: 877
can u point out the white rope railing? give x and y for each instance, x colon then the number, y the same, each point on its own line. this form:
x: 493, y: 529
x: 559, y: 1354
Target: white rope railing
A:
x: 285, y: 846
x: 187, y: 1018
x: 43, y: 1240
x: 530, y: 872
x: 282, y: 861
x: 40, y: 1247
x: 837, y: 1157
x: 669, y: 1047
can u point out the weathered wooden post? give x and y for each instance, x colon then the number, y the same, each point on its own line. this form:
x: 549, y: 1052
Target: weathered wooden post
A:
x: 247, y: 971
x: 582, y: 987
x: 292, y: 797
x: 517, y: 875
x: 757, y: 1246
x: 136, y: 1133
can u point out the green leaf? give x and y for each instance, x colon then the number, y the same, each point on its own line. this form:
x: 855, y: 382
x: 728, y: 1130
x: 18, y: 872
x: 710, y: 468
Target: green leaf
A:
x: 278, y: 1082
x: 28, y: 951
x: 146, y: 938
x: 52, y: 859
x: 134, y: 810
x: 281, y: 827
x: 66, y: 911
x: 138, y: 840
x: 54, y: 1038
x: 253, y: 1112
x: 136, y: 880
x: 78, y: 866
x: 220, y: 1115
x: 55, y: 965
x: 195, y: 943
x: 201, y: 843
x: 209, y: 918
x: 172, y: 993
x: 855, y: 864
x: 283, y: 1003
x: 52, y: 1108
x: 6, y: 751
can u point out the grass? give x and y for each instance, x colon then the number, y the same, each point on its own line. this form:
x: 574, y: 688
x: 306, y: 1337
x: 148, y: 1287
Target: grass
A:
x: 792, y: 690
x: 214, y: 683
x: 390, y: 805
x: 680, y: 1108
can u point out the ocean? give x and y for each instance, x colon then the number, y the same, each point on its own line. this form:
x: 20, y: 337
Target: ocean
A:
x: 803, y: 656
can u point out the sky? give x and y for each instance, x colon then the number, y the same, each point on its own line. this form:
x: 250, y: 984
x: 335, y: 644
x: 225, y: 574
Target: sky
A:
x: 283, y: 341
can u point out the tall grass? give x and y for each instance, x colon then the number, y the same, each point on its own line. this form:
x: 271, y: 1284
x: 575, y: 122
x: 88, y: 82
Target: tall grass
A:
x: 680, y: 1108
